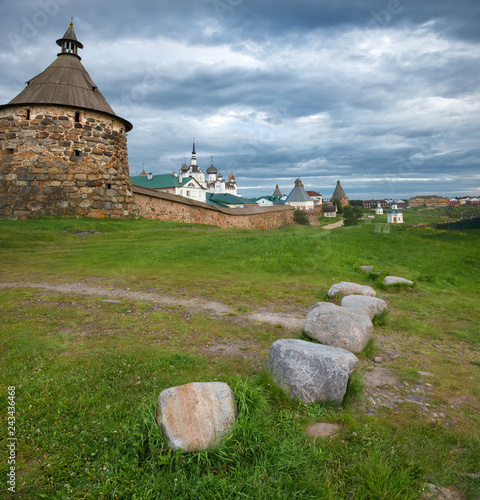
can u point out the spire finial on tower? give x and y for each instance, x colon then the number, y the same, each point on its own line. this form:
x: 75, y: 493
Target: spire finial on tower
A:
x: 69, y: 42
x: 194, y: 157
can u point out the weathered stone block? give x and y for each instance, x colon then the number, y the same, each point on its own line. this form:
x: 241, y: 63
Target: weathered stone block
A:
x: 196, y: 416
x: 337, y: 326
x: 372, y: 305
x: 394, y: 280
x: 310, y: 372
x: 347, y: 288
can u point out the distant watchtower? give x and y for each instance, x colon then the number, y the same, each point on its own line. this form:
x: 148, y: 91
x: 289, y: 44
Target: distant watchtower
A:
x: 339, y: 194
x: 63, y: 150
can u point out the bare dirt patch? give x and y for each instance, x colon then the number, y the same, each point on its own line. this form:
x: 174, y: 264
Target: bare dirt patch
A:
x: 210, y: 307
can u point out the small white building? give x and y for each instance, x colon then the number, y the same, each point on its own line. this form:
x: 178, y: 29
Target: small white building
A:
x: 330, y: 211
x: 316, y: 197
x: 263, y: 202
x: 180, y: 185
x: 379, y: 209
x: 395, y: 216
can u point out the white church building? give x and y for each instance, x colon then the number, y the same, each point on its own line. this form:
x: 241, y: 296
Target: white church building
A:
x: 191, y: 182
x: 213, y: 182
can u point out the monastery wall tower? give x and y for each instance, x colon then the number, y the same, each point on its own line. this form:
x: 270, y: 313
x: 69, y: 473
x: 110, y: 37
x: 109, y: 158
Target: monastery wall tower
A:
x: 63, y: 150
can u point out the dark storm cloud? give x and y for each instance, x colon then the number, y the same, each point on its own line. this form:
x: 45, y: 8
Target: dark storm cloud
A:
x: 382, y: 94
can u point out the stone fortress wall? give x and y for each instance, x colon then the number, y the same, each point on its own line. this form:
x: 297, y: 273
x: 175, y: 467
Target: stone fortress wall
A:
x: 56, y: 160
x: 169, y: 207
x: 158, y: 205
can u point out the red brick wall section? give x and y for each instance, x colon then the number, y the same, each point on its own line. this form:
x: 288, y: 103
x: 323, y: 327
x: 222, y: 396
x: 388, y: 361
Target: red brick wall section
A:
x: 159, y: 209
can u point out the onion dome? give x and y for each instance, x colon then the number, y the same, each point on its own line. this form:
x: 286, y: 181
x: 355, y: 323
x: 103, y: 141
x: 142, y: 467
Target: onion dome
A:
x: 211, y: 169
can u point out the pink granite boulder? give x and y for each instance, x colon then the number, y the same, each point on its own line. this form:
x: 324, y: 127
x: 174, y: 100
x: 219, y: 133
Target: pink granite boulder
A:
x: 196, y: 416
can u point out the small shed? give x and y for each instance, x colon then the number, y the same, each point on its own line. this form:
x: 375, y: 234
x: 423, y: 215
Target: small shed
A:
x: 329, y: 211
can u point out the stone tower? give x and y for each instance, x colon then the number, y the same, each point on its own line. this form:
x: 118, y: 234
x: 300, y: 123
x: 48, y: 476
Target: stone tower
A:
x: 63, y: 150
x: 339, y: 194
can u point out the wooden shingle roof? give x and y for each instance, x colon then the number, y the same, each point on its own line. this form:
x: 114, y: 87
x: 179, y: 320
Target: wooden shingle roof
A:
x: 298, y: 193
x: 65, y: 82
x: 339, y: 192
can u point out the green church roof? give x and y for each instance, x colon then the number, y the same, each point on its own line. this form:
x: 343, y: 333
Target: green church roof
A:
x: 161, y: 181
x: 225, y: 199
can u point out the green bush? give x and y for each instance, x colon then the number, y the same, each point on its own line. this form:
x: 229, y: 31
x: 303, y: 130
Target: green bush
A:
x: 350, y: 216
x: 338, y: 204
x: 300, y: 217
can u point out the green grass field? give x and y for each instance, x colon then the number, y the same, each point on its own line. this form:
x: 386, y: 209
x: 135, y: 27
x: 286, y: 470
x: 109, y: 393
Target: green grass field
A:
x: 87, y: 373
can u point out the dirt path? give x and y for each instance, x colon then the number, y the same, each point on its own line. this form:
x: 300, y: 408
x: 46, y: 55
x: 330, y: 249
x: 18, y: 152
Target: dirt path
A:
x: 334, y: 225
x: 383, y: 389
x: 211, y: 307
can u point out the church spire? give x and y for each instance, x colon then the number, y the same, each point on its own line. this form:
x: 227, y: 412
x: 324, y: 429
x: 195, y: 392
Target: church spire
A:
x: 69, y: 42
x: 194, y: 155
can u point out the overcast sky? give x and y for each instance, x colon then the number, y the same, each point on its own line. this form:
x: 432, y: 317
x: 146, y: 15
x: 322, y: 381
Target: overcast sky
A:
x: 381, y: 94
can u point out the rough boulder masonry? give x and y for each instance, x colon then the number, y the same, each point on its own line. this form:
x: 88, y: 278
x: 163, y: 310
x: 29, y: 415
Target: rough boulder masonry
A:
x: 63, y: 150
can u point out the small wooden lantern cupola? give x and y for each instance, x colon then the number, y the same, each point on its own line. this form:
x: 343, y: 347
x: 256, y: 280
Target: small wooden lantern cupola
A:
x: 69, y: 42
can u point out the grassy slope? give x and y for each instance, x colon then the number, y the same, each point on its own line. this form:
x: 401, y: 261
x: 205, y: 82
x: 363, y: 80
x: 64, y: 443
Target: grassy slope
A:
x: 87, y: 373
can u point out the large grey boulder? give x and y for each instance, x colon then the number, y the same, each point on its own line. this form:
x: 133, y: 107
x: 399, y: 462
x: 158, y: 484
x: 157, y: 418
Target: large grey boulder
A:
x: 336, y: 326
x: 310, y: 372
x: 196, y: 416
x: 394, y: 280
x: 347, y: 288
x: 372, y: 305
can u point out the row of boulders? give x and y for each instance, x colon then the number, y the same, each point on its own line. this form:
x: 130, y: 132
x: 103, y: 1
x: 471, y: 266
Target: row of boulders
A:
x: 196, y: 416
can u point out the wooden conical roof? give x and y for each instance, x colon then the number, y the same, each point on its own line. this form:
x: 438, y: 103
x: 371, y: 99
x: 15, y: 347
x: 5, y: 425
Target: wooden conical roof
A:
x: 277, y: 191
x: 339, y: 192
x: 298, y: 193
x: 66, y: 82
